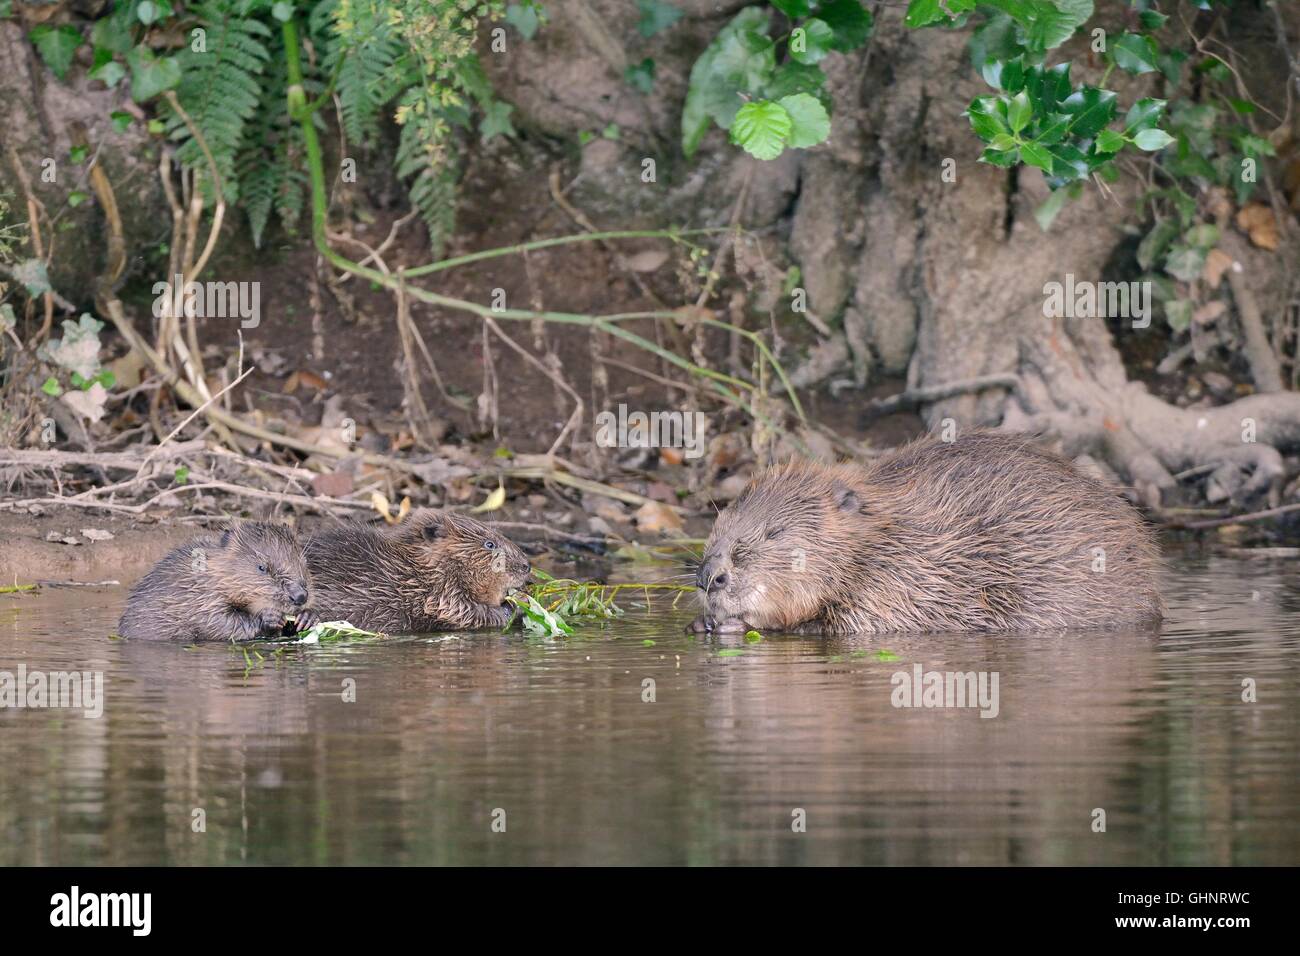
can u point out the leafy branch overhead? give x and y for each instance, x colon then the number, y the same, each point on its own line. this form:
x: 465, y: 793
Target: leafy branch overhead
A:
x: 769, y: 91
x: 411, y: 61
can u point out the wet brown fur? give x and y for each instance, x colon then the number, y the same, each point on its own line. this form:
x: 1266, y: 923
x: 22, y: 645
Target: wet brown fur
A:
x: 986, y: 533
x: 431, y: 572
x: 212, y: 589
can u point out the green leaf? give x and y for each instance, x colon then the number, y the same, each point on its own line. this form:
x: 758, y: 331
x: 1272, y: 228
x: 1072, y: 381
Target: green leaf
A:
x: 78, y: 154
x: 811, y: 124
x: 496, y: 120
x: 110, y: 72
x: 849, y: 21
x: 794, y: 9
x: 791, y: 78
x: 1205, y: 236
x: 1002, y: 158
x: 921, y: 13
x: 56, y: 45
x: 1019, y: 112
x: 76, y: 198
x: 1109, y: 141
x: 762, y: 127
x: 641, y: 77
x: 1135, y: 53
x: 1154, y: 244
x: 52, y: 387
x: 282, y: 11
x: 524, y: 18
x: 1185, y: 262
x: 1143, y: 114
x: 1003, y: 141
x: 1051, y: 207
x: 31, y: 273
x: 811, y: 41
x: 181, y: 475
x: 151, y: 75
x: 121, y: 120
x: 1178, y: 313
x: 1036, y: 155
x: 1152, y: 19
x: 986, y: 118
x: 1090, y: 111
x: 1152, y: 140
x: 735, y: 63
x: 656, y: 16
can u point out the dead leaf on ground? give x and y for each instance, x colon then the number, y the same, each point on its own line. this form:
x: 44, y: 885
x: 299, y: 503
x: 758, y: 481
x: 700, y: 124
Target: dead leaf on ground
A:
x: 1216, y: 264
x: 655, y: 516
x: 1256, y: 220
x: 380, y: 502
x: 1209, y: 312
x: 334, y: 484
x: 493, y: 501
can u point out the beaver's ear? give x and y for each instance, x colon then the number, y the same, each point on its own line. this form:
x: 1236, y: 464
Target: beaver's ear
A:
x: 227, y: 536
x: 846, y: 499
x: 435, y: 528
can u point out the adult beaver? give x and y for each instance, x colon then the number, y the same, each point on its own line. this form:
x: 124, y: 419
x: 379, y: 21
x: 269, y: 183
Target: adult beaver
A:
x: 246, y: 583
x: 985, y: 533
x: 434, y: 571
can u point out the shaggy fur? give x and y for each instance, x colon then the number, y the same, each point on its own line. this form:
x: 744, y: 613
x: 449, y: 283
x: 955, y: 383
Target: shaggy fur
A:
x: 985, y: 533
x: 241, y: 585
x: 434, y: 571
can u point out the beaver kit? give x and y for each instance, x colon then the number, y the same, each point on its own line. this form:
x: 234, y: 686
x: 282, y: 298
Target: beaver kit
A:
x: 434, y: 571
x: 247, y: 583
x: 985, y: 533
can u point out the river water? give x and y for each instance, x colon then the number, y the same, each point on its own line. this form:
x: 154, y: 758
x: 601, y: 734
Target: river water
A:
x: 636, y: 743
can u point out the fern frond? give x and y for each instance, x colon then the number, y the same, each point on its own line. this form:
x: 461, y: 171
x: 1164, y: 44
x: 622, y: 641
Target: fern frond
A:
x: 221, y: 86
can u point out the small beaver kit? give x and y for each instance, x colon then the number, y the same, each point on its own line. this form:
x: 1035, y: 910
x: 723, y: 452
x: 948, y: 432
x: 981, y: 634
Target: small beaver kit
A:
x: 988, y: 532
x: 434, y: 571
x: 247, y: 583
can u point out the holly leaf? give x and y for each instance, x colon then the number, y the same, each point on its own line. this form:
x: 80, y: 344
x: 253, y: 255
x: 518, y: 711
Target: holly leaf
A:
x: 1135, y: 53
x: 1152, y: 140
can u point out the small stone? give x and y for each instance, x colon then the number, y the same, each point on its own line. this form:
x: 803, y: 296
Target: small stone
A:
x: 97, y: 534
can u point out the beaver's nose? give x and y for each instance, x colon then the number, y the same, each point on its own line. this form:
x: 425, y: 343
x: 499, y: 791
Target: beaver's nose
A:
x: 708, y: 578
x: 298, y: 594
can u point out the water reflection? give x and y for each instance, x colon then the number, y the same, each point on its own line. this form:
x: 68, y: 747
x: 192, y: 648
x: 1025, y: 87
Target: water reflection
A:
x: 741, y: 742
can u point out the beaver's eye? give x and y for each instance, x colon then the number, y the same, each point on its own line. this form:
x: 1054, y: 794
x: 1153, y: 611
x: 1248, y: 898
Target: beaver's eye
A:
x: 262, y: 568
x: 490, y: 545
x: 775, y: 533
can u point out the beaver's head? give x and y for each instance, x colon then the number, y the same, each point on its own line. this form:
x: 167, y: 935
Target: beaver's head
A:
x: 464, y: 555
x: 778, y: 554
x: 260, y: 567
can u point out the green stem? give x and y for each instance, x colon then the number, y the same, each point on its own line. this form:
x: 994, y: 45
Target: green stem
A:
x: 301, y: 112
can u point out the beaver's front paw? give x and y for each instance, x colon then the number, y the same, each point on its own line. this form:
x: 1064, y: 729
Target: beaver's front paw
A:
x: 498, y: 616
x: 305, y: 621
x: 270, y: 623
x: 708, y: 624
